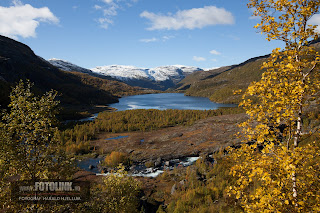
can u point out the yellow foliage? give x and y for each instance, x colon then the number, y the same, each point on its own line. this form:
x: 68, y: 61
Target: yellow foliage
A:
x: 264, y: 180
x: 118, y: 193
x: 283, y: 176
x: 116, y: 158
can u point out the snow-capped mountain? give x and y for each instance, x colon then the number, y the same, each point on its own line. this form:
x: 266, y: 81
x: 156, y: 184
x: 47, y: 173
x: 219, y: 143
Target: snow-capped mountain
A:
x: 67, y: 66
x: 160, y: 78
x: 173, y: 73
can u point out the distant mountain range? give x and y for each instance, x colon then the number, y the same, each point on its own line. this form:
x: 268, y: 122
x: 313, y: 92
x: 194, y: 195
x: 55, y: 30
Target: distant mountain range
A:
x: 160, y: 78
x: 175, y: 72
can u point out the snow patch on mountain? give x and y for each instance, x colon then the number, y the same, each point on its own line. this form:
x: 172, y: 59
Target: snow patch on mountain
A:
x: 67, y: 66
x: 163, y: 73
x: 122, y: 72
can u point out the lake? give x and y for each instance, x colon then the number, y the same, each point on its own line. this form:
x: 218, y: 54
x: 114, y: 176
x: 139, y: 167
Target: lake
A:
x: 164, y: 101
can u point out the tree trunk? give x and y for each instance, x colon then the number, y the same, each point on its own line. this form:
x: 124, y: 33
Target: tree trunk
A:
x: 296, y: 140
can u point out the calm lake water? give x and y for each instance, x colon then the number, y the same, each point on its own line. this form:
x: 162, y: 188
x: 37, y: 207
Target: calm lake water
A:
x: 164, y: 101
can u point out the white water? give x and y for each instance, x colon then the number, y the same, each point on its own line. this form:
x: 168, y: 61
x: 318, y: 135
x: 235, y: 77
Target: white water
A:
x: 153, y: 172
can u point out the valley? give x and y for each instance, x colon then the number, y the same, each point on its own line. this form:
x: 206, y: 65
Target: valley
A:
x: 145, y: 147
x: 136, y: 106
x: 168, y: 125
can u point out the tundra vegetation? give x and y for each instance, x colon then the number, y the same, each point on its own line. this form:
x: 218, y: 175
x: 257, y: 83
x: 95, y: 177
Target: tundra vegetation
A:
x: 77, y: 138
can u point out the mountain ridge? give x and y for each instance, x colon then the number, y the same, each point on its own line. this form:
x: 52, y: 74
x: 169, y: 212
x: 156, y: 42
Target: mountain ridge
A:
x: 159, y: 78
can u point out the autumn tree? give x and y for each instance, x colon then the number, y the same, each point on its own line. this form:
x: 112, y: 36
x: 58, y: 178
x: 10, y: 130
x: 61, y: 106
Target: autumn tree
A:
x: 117, y: 193
x: 283, y: 176
x: 29, y: 149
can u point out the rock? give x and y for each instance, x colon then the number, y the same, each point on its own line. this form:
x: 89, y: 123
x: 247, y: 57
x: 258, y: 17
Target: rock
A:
x: 173, y: 189
x: 91, y: 167
x: 129, y: 151
x: 177, y: 135
x: 167, y: 163
x: 158, y: 162
x: 133, y: 167
x: 182, y: 182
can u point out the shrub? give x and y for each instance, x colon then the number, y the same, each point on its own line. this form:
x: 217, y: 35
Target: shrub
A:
x: 116, y: 158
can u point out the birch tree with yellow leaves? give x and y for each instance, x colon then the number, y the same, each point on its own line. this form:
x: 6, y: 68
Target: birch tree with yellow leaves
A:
x: 283, y: 175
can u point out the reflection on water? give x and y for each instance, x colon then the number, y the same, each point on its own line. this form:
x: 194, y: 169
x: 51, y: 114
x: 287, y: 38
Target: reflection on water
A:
x: 90, y: 164
x: 164, y: 101
x: 118, y: 137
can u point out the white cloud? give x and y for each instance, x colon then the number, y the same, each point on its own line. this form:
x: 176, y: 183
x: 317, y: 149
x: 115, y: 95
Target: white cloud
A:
x: 110, y: 9
x: 189, y: 19
x: 165, y: 38
x: 107, y: 1
x: 215, y: 52
x: 315, y: 20
x: 105, y: 22
x: 148, y: 40
x: 23, y: 20
x: 197, y: 58
x: 97, y: 7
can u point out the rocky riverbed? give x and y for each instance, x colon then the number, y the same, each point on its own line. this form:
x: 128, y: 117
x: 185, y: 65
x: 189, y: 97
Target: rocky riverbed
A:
x: 93, y: 164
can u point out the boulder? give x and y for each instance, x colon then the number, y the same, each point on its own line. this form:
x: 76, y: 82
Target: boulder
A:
x: 158, y: 162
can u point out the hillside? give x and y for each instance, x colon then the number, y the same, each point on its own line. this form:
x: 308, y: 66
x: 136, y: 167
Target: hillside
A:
x: 185, y: 83
x: 114, y: 87
x: 219, y: 84
x: 18, y: 61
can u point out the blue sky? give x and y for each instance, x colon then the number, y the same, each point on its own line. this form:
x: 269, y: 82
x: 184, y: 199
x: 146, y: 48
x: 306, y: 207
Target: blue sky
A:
x: 142, y: 33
